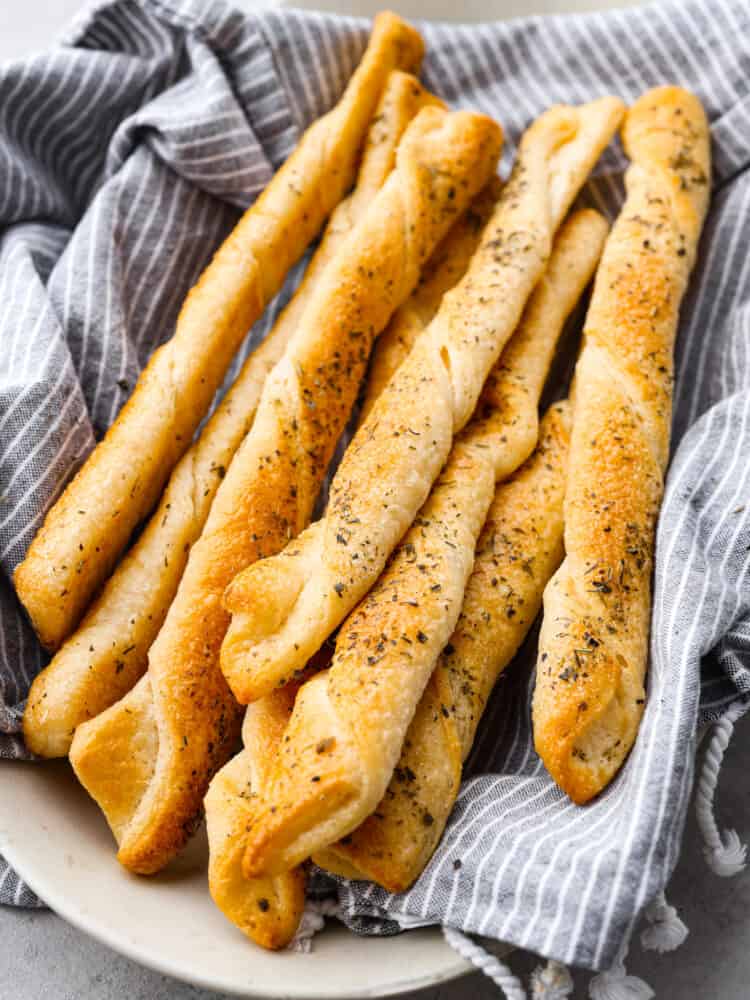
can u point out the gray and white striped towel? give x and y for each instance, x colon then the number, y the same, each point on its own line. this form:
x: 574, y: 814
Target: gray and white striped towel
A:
x: 126, y: 156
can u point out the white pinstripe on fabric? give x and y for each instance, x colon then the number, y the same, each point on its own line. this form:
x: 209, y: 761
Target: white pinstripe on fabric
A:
x: 77, y: 104
x: 323, y: 61
x: 23, y: 658
x: 137, y: 321
x: 23, y: 369
x: 195, y: 260
x: 40, y: 443
x: 31, y: 523
x: 167, y: 275
x: 12, y: 128
x: 74, y: 159
x: 717, y: 300
x: 533, y: 817
x: 97, y: 235
x: 10, y: 317
x: 27, y: 132
x: 730, y: 368
x: 118, y: 228
x: 461, y: 845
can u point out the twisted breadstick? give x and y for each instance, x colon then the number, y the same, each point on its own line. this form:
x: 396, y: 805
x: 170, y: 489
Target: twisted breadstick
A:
x: 519, y: 548
x: 267, y: 910
x: 269, y: 490
x: 441, y: 272
x: 89, y: 526
x: 386, y: 651
x: 594, y: 642
x: 107, y: 654
x: 397, y: 453
x: 229, y: 805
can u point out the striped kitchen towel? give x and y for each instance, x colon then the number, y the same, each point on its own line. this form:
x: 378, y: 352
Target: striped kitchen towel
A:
x: 127, y: 154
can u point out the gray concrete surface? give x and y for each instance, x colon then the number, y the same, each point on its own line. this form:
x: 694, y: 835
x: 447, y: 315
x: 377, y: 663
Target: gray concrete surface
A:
x: 43, y: 958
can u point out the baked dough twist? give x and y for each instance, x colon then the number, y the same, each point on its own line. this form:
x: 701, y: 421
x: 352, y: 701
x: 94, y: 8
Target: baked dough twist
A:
x: 519, y: 549
x: 90, y: 525
x: 268, y: 493
x: 230, y: 802
x: 268, y: 910
x: 387, y: 649
x: 235, y: 789
x: 108, y: 652
x: 442, y: 271
x: 594, y: 643
x: 388, y: 469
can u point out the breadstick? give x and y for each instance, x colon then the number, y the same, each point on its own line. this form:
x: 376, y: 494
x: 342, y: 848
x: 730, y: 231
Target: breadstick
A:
x: 519, y: 548
x: 396, y: 455
x: 594, y: 643
x: 267, y: 910
x: 227, y: 808
x: 441, y: 272
x: 89, y: 526
x: 387, y: 649
x: 107, y: 654
x: 268, y: 493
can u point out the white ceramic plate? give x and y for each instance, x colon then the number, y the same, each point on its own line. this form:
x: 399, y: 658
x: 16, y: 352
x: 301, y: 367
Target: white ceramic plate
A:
x: 57, y: 839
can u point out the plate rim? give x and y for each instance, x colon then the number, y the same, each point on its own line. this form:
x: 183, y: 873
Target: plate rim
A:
x: 66, y: 907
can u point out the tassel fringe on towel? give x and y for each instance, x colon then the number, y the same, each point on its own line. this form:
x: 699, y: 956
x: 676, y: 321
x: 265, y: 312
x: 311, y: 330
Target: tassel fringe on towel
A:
x: 724, y: 852
x: 490, y: 965
x: 665, y: 931
x: 616, y: 984
x: 552, y: 981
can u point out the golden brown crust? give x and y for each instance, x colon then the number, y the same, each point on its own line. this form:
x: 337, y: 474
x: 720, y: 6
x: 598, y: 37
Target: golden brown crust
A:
x: 270, y: 487
x: 89, y: 526
x: 518, y: 550
x: 267, y: 910
x: 388, y: 469
x: 388, y: 647
x: 443, y: 270
x: 107, y: 654
x: 594, y: 643
x: 385, y: 653
x: 419, y: 201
